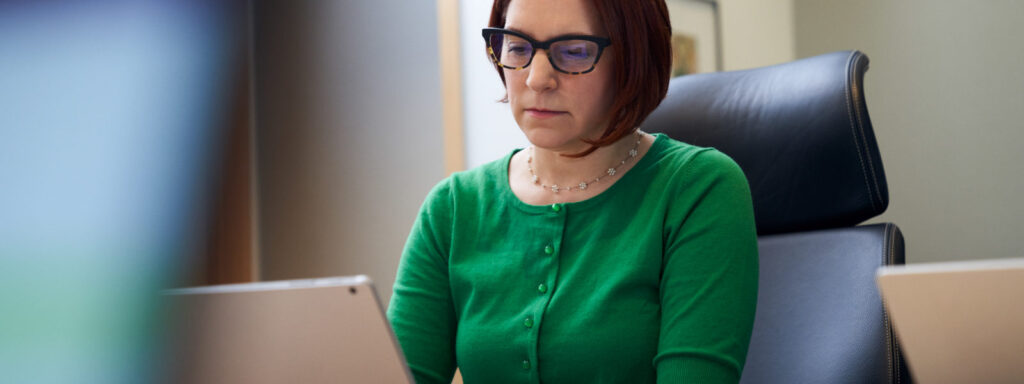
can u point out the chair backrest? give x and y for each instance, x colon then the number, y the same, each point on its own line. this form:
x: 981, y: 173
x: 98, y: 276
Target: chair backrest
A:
x: 802, y: 135
x: 799, y: 130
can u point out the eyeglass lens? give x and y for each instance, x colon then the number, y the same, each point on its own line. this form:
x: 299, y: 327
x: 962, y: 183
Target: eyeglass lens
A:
x: 567, y: 55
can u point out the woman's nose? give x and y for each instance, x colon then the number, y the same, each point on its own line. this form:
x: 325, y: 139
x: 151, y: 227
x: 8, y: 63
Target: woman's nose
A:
x: 543, y: 76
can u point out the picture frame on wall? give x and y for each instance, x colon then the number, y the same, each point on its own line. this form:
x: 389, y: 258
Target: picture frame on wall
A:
x: 696, y: 36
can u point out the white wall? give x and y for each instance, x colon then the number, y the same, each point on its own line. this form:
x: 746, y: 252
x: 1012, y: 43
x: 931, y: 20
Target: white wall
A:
x: 754, y: 33
x: 348, y: 133
x: 945, y: 96
x: 696, y: 20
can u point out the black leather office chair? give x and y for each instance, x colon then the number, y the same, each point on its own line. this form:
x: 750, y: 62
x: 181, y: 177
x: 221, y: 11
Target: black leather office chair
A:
x: 802, y: 135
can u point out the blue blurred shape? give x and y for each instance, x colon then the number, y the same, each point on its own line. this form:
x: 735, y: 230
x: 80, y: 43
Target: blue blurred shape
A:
x: 109, y: 116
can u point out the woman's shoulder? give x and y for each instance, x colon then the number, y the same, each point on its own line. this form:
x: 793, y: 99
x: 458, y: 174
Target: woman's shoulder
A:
x: 482, y: 179
x: 689, y: 159
x: 485, y: 176
x: 703, y: 176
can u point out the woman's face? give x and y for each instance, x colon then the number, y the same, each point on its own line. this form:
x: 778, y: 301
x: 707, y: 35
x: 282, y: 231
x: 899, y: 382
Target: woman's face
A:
x: 554, y: 109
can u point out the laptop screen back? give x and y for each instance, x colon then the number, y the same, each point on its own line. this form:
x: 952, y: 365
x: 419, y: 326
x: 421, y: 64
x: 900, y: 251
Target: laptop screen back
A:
x: 959, y: 322
x: 301, y: 331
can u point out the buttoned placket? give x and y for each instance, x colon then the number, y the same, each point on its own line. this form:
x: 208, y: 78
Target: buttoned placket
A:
x: 545, y: 288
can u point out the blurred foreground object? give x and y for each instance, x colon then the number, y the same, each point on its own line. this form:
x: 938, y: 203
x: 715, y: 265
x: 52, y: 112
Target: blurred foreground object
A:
x: 111, y: 117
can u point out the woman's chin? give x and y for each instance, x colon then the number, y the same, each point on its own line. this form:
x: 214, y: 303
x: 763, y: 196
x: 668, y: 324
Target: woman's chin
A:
x: 553, y: 139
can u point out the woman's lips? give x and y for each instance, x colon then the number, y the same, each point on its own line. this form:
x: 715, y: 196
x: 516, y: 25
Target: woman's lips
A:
x: 542, y: 114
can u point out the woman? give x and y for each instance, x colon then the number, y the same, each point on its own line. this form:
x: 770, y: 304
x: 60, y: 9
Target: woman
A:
x: 600, y: 253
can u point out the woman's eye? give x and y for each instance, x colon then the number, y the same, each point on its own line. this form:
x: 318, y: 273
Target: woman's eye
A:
x: 575, y: 51
x: 517, y: 49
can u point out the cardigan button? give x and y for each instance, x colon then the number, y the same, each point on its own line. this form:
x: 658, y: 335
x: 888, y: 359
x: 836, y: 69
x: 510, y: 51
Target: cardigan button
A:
x: 528, y: 322
x: 526, y: 365
x: 549, y: 249
x: 556, y: 207
x: 542, y: 288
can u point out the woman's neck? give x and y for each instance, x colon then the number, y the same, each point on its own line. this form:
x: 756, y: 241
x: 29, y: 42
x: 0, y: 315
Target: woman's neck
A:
x: 553, y: 168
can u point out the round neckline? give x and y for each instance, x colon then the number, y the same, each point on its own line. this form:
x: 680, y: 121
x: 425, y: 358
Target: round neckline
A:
x: 506, y: 187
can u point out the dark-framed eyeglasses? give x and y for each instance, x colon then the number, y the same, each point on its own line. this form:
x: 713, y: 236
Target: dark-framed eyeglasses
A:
x: 571, y: 54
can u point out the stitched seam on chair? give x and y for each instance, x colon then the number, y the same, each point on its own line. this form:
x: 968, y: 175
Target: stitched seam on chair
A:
x: 860, y: 125
x: 891, y: 231
x: 889, y: 338
x: 885, y: 315
x: 853, y: 129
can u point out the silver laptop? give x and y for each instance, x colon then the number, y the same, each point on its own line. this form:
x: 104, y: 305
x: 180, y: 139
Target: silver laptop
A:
x: 959, y: 322
x: 330, y: 330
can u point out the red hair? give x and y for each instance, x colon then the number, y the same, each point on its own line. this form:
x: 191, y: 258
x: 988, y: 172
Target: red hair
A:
x: 641, y: 37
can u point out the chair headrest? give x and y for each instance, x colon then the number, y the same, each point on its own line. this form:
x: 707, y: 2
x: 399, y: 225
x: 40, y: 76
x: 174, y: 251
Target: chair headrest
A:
x: 800, y: 131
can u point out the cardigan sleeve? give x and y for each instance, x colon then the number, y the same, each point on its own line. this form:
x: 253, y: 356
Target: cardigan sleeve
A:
x: 421, y: 311
x: 709, y: 274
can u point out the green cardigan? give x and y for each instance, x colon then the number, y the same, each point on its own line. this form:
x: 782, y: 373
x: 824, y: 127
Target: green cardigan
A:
x: 653, y: 280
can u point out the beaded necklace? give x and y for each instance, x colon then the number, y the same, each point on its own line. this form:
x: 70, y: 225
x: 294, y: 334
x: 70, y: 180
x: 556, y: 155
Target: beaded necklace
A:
x: 584, y: 184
